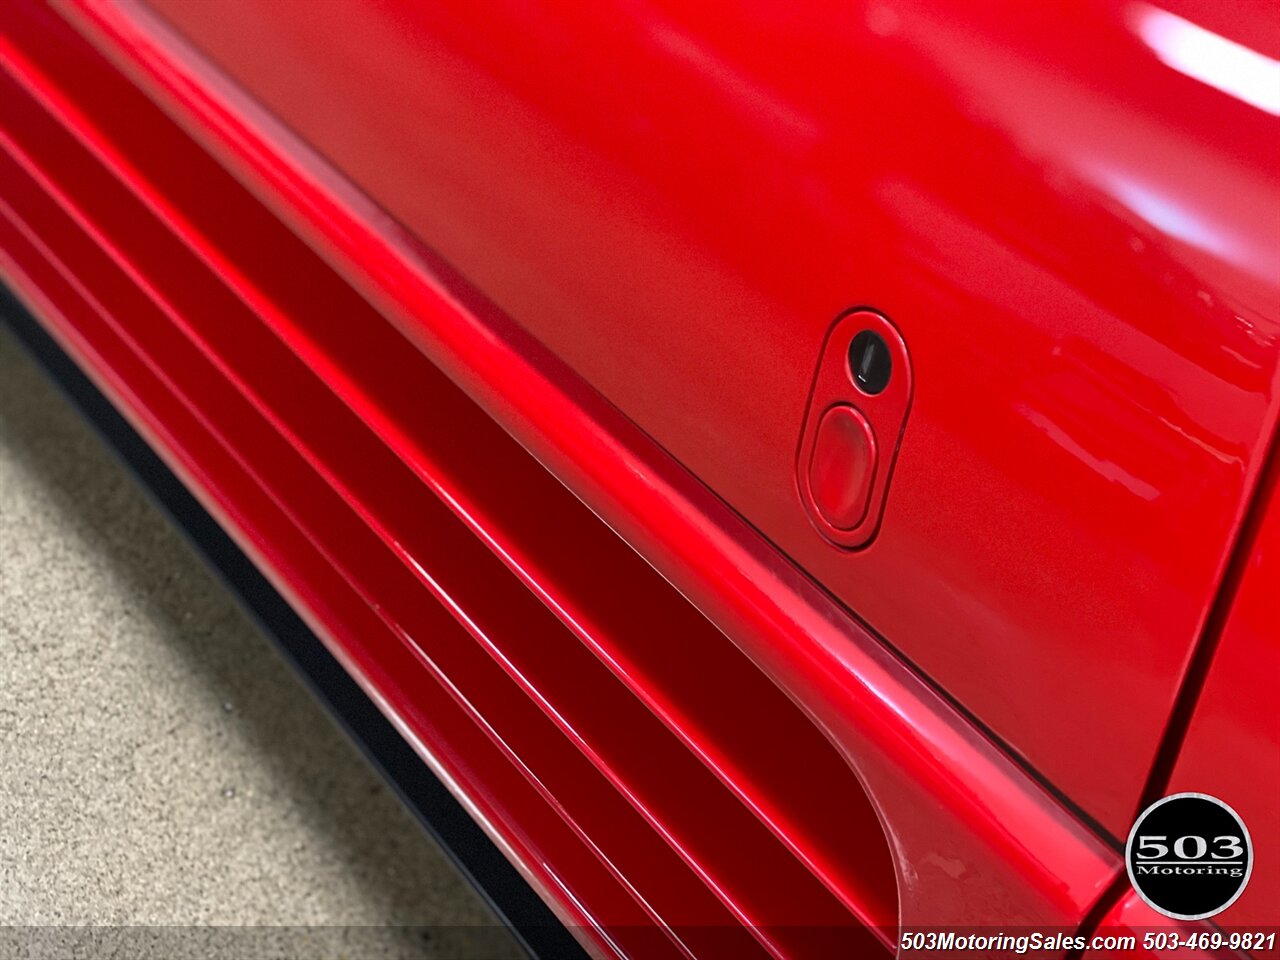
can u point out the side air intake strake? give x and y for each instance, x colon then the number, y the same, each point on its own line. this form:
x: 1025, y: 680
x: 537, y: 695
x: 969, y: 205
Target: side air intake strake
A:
x: 640, y: 767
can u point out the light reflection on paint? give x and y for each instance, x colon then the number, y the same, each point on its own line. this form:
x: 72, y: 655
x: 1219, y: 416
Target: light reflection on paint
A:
x: 1169, y: 216
x: 1210, y: 58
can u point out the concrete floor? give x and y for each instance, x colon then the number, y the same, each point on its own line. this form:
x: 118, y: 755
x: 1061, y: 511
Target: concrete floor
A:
x: 159, y: 765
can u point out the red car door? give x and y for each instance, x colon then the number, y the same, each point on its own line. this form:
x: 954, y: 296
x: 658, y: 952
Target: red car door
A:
x: 1070, y: 223
x: 777, y: 463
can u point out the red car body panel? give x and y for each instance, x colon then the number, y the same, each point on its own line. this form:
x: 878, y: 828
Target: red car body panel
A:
x: 504, y: 391
x: 1076, y: 240
x: 1231, y: 748
x: 1155, y: 934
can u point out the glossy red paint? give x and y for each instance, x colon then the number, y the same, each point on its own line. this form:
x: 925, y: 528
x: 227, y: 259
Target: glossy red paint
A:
x: 1130, y: 917
x: 863, y: 469
x: 554, y: 678
x: 1232, y: 748
x: 1069, y: 216
x: 685, y: 742
x: 841, y: 468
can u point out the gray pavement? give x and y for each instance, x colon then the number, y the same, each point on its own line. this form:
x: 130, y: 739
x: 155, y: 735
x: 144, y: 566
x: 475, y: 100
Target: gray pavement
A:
x: 160, y: 768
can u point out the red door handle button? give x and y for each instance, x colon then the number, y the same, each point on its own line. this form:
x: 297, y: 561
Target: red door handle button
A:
x: 842, y: 467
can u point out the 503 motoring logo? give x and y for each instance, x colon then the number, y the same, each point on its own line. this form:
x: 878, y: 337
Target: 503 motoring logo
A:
x: 1189, y: 856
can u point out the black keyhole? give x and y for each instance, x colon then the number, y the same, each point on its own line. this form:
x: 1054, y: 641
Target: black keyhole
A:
x: 869, y: 361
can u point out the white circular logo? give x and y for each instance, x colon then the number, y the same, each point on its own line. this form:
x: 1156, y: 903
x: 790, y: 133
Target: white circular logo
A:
x: 1189, y: 856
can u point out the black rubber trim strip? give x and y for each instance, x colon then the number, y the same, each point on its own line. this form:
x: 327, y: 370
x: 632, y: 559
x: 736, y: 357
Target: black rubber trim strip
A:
x: 532, y: 922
